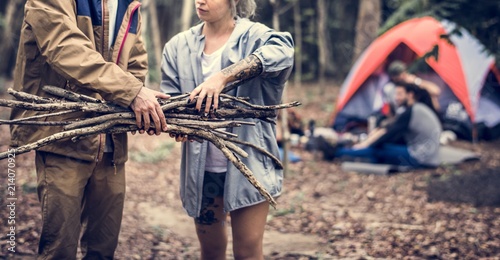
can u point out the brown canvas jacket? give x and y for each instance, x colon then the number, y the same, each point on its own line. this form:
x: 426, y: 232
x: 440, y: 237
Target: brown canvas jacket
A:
x: 64, y: 43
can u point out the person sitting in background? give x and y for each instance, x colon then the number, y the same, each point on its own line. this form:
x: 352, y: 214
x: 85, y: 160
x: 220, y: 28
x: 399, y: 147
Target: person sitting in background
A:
x: 419, y: 127
x: 295, y: 126
x: 398, y: 73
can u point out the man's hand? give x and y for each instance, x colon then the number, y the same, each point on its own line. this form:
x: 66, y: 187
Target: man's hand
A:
x: 146, y: 107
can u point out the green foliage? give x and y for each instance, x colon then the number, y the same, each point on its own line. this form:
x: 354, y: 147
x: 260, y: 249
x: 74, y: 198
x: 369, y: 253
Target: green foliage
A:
x: 479, y: 17
x: 407, y: 9
x: 2, y: 22
x: 159, y: 154
x: 295, y: 206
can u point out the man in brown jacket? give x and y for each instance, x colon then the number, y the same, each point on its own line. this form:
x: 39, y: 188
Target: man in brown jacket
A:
x: 93, y: 47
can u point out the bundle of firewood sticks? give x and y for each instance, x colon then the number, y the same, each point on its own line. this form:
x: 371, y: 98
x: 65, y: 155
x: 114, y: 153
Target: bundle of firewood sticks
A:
x: 180, y: 113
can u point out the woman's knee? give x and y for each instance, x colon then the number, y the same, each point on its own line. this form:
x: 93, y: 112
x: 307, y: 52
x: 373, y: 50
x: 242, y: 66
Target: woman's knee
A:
x: 213, y: 250
x: 250, y: 250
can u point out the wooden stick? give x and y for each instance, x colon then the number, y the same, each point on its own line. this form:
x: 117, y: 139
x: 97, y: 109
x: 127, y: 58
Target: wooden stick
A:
x: 276, y: 161
x: 208, y: 124
x: 224, y: 133
x: 246, y: 172
x: 99, y: 120
x: 70, y: 95
x: 174, y: 98
x: 258, y: 107
x: 39, y: 116
x: 84, y: 107
x: 23, y: 96
x: 234, y: 85
x: 172, y: 105
x: 34, y: 123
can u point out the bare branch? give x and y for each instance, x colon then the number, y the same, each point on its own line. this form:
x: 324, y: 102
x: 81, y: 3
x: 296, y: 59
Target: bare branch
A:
x: 248, y: 104
x: 23, y: 96
x: 70, y: 95
x: 38, y: 123
x: 39, y: 116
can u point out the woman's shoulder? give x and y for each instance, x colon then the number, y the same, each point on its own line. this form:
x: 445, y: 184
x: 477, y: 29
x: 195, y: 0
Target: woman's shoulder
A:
x: 255, y: 30
x: 253, y: 27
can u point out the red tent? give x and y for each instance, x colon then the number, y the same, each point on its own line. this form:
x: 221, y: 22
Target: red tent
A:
x: 462, y: 64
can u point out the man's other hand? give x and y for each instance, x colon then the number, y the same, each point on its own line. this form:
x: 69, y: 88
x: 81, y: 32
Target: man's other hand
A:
x: 146, y: 107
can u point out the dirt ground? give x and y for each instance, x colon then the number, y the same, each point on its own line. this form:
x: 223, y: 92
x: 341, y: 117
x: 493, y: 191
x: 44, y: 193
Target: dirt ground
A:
x: 452, y: 212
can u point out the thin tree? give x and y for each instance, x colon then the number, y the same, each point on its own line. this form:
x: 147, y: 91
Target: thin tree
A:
x: 323, y: 53
x: 12, y: 25
x: 367, y: 25
x: 152, y: 36
x: 285, y: 132
x: 297, y: 24
x: 187, y: 14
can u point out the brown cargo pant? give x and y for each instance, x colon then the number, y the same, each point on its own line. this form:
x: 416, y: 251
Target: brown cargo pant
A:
x: 77, y: 195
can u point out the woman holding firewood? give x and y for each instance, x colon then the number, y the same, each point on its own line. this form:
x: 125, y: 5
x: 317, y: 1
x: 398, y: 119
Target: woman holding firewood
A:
x: 226, y: 48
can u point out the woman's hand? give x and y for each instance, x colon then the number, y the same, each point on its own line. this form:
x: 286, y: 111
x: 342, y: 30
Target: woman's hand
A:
x: 210, y: 89
x: 247, y: 68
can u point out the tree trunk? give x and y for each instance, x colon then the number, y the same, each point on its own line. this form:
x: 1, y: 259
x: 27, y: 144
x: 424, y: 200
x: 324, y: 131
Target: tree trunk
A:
x: 340, y: 33
x: 276, y: 14
x: 367, y: 25
x: 155, y: 32
x: 10, y: 36
x: 298, y: 44
x: 323, y: 52
x: 187, y: 14
x: 152, y: 37
x: 285, y: 132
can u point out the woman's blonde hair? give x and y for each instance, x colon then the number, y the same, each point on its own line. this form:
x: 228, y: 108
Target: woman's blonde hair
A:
x: 243, y: 9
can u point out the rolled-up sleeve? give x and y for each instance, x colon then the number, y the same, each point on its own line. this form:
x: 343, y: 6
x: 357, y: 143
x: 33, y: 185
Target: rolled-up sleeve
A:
x: 276, y: 53
x: 170, y: 83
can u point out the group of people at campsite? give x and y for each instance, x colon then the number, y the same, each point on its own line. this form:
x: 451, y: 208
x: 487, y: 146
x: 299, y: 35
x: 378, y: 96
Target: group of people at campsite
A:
x: 95, y: 47
x: 406, y: 131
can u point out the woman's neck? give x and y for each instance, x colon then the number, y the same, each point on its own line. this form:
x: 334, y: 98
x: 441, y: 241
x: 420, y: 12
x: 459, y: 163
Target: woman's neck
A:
x: 219, y: 28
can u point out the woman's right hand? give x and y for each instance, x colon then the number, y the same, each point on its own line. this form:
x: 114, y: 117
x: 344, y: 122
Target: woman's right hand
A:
x: 179, y: 137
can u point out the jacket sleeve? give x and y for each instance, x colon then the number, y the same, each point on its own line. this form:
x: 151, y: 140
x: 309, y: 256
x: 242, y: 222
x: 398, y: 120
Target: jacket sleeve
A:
x: 71, y: 54
x: 138, y: 61
x: 396, y: 129
x: 170, y: 82
x: 276, y: 52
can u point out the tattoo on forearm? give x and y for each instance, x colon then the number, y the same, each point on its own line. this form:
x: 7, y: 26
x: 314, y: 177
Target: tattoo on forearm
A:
x: 247, y: 68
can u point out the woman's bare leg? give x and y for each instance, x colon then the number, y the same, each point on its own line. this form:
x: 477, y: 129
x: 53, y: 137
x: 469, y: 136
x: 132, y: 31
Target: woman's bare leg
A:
x: 248, y: 231
x: 211, y: 230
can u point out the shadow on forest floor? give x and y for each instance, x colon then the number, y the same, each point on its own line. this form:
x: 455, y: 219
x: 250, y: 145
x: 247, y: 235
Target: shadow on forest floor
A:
x: 480, y: 188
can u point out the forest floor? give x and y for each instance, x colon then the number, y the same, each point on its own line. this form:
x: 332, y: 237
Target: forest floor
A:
x: 452, y: 212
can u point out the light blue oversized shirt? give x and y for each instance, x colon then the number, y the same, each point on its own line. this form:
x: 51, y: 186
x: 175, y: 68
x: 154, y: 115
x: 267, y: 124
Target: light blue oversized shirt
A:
x: 181, y: 73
